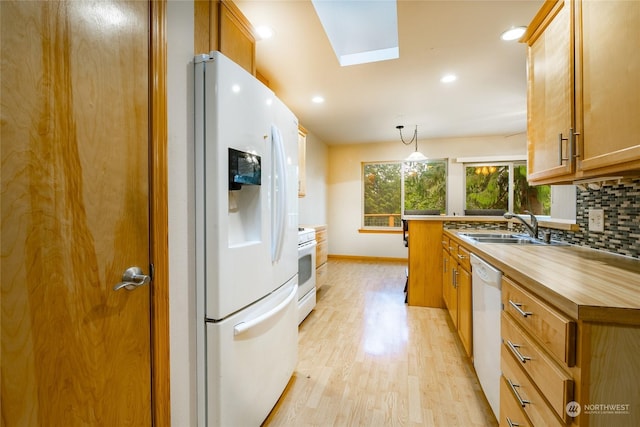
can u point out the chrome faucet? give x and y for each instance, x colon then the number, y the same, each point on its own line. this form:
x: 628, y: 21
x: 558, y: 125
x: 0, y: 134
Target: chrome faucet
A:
x: 531, y: 228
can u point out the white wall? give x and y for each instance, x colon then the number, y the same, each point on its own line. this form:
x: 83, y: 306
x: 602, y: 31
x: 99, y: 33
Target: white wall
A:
x: 312, y: 208
x: 181, y: 254
x: 345, y: 186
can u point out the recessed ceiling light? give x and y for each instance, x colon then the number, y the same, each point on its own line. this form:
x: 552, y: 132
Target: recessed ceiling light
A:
x: 264, y: 32
x: 317, y: 99
x: 513, y: 33
x: 448, y: 78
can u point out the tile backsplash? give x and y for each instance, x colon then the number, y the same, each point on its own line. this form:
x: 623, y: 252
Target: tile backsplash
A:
x: 621, y: 205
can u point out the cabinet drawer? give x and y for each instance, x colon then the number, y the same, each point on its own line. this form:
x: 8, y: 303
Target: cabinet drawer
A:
x: 556, y: 332
x: 462, y: 256
x: 522, y: 389
x: 511, y: 413
x: 555, y: 384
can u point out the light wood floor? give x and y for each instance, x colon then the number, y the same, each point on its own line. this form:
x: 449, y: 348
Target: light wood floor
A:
x: 367, y: 359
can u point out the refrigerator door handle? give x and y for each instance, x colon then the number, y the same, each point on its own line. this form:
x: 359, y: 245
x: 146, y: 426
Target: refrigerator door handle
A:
x: 243, y: 327
x: 280, y: 194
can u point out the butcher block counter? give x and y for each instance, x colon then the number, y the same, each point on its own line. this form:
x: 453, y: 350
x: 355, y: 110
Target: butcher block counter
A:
x: 584, y: 283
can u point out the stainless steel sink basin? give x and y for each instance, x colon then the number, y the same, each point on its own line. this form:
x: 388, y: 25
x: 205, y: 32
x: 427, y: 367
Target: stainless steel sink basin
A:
x: 514, y: 239
x: 475, y: 235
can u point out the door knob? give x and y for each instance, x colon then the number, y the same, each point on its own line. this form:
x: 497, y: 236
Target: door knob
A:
x: 132, y: 278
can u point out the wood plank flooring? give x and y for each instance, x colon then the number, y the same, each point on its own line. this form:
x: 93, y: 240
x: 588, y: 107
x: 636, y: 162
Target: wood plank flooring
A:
x: 367, y: 359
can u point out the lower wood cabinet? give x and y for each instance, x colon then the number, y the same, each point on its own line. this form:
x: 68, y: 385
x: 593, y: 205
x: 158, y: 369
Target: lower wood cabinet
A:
x: 456, y: 290
x: 322, y: 249
x: 551, y: 362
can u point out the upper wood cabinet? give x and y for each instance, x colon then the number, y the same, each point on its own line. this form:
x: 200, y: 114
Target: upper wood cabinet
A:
x: 610, y: 83
x: 583, y: 90
x: 220, y: 25
x: 550, y: 92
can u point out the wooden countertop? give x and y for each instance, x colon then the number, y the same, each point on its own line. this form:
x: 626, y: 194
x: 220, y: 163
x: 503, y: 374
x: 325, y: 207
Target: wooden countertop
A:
x: 585, y: 283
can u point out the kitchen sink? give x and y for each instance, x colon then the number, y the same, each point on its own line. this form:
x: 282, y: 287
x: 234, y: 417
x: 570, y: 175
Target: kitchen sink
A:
x: 514, y: 239
x: 474, y: 235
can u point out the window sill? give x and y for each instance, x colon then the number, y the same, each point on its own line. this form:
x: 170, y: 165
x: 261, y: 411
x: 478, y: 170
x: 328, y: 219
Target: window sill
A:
x: 380, y: 230
x: 559, y: 224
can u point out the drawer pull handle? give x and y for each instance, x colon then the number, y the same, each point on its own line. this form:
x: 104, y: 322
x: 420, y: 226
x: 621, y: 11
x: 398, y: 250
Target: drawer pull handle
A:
x: 461, y: 256
x: 511, y: 423
x: 522, y: 401
x: 517, y: 306
x: 514, y: 349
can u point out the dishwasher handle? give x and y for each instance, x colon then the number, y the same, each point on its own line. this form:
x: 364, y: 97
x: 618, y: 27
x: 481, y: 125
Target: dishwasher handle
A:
x: 486, y: 272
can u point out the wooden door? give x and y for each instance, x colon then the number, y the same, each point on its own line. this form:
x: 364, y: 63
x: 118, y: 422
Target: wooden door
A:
x: 550, y: 94
x: 75, y: 213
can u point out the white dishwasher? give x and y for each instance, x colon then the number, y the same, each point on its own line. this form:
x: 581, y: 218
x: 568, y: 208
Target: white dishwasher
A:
x: 487, y: 305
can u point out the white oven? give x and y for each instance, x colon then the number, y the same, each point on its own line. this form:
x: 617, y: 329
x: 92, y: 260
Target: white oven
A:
x: 306, y: 272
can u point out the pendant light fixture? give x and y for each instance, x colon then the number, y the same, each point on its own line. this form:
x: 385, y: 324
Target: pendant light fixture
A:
x: 416, y: 156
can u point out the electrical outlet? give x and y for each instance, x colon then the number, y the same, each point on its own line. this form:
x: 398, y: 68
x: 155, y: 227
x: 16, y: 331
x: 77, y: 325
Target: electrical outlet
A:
x: 596, y: 220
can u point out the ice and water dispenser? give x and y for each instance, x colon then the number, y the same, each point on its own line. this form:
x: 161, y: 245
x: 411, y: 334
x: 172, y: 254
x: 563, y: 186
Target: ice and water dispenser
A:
x: 245, y: 198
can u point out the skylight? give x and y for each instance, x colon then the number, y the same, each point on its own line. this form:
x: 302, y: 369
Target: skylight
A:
x: 360, y: 31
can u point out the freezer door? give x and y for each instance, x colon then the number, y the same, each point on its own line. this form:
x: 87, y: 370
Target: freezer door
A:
x: 250, y: 359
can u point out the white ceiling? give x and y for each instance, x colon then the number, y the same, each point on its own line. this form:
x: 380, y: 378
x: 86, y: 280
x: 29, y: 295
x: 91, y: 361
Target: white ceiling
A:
x: 364, y: 103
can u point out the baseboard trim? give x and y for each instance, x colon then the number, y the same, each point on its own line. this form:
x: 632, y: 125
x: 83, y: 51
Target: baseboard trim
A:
x: 368, y: 258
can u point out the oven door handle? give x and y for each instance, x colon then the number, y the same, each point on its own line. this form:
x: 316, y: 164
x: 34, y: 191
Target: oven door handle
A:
x: 243, y: 327
x: 307, y: 246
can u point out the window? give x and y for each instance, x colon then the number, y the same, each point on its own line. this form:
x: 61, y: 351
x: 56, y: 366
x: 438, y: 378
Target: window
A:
x: 387, y: 186
x: 425, y: 186
x: 382, y: 194
x: 504, y: 187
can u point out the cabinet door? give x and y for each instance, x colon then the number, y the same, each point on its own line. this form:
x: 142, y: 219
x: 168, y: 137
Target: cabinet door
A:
x: 610, y: 95
x: 236, y: 37
x: 425, y: 264
x: 465, y: 309
x: 453, y: 292
x: 446, y: 278
x: 550, y: 110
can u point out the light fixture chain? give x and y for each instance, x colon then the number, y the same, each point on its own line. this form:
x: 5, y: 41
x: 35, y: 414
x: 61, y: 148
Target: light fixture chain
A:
x: 414, y: 138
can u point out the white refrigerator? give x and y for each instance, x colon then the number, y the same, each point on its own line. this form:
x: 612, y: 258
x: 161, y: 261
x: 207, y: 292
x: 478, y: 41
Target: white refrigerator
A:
x: 246, y: 168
